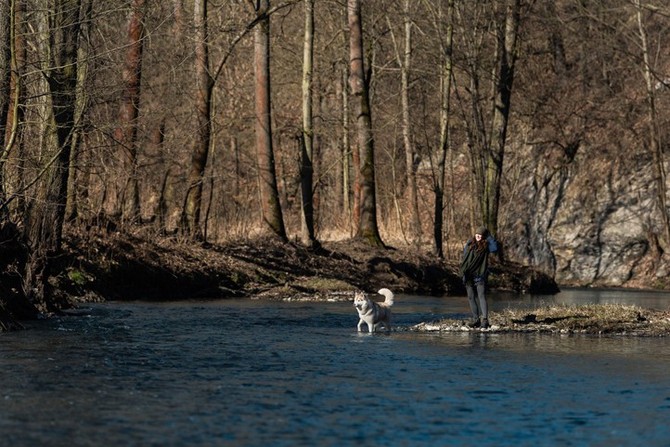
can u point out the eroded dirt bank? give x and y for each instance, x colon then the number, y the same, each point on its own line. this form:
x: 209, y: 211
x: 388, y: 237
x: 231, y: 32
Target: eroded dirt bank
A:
x: 125, y: 266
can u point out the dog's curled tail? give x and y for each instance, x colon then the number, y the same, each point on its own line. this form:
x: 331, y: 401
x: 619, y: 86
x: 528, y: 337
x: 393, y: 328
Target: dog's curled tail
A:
x: 388, y: 295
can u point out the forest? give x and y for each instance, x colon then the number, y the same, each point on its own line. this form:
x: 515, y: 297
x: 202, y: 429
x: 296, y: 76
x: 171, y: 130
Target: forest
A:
x: 404, y: 123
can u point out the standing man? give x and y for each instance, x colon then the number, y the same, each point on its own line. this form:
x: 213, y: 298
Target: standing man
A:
x: 474, y: 270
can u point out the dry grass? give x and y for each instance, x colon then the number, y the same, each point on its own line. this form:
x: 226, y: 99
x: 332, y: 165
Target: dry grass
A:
x: 612, y: 319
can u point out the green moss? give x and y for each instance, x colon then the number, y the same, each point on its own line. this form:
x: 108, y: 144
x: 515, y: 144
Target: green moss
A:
x: 77, y: 277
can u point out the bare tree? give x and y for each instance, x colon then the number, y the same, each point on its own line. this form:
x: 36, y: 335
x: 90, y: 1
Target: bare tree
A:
x: 5, y: 72
x: 358, y: 83
x: 75, y: 188
x: 439, y: 172
x: 403, y: 55
x: 44, y: 223
x: 201, y: 143
x: 14, y: 112
x: 126, y: 132
x: 5, y: 61
x: 488, y: 119
x: 654, y: 142
x: 507, y: 34
x: 269, y: 193
x: 307, y: 140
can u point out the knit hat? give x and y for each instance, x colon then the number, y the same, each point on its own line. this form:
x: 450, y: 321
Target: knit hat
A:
x: 482, y: 230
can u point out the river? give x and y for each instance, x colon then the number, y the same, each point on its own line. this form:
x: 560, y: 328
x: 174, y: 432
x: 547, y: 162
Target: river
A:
x: 258, y: 373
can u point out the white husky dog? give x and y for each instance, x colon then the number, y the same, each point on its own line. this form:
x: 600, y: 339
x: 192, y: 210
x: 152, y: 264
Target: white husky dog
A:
x: 373, y: 313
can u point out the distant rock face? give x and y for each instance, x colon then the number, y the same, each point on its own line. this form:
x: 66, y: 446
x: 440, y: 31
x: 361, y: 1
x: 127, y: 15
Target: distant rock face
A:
x: 587, y: 223
x: 605, y: 251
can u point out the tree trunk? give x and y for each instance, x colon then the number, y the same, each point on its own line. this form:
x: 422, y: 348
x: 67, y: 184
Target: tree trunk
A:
x: 404, y: 63
x: 71, y: 207
x: 44, y: 223
x: 439, y: 181
x: 269, y: 193
x: 307, y: 146
x: 205, y: 85
x: 126, y: 132
x: 411, y: 156
x: 350, y: 163
x: 507, y: 38
x: 11, y: 137
x: 367, y: 228
x: 5, y: 72
x: 338, y: 187
x: 5, y: 64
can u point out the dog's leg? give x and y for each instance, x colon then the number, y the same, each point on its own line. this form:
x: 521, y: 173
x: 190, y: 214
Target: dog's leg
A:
x: 371, y: 327
x: 360, y: 324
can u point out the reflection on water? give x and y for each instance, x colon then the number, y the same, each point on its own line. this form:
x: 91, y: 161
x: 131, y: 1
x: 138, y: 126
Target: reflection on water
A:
x: 257, y: 373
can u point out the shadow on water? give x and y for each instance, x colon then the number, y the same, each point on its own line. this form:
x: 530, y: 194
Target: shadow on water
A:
x: 245, y: 372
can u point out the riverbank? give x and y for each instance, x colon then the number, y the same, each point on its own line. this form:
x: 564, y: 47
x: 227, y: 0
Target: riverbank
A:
x: 122, y: 266
x: 97, y: 266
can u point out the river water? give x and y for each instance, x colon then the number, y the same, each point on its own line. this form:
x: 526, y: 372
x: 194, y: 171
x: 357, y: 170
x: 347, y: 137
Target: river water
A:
x: 256, y: 373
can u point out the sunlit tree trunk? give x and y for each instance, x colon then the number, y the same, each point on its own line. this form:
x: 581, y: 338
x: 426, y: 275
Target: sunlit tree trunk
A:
x: 410, y: 149
x: 307, y: 149
x: 507, y: 55
x: 367, y: 228
x: 269, y: 193
x: 350, y: 194
x: 439, y: 180
x: 343, y: 167
x: 126, y: 132
x: 353, y: 167
x: 201, y: 143
x: 404, y: 59
x: 44, y: 222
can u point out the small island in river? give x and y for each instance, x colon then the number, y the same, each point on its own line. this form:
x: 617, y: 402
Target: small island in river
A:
x: 593, y: 319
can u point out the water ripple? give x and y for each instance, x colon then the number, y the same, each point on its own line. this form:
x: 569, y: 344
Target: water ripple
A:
x: 254, y: 373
